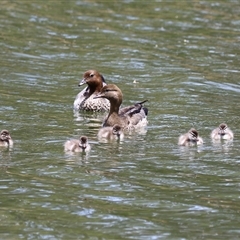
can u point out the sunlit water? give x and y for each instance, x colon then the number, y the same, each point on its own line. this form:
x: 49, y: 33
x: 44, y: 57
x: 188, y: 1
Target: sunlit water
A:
x: 184, y: 58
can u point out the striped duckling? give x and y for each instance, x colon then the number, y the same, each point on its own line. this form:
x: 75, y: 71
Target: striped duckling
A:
x: 222, y: 132
x: 5, y: 139
x: 190, y: 138
x: 77, y: 145
x: 111, y: 133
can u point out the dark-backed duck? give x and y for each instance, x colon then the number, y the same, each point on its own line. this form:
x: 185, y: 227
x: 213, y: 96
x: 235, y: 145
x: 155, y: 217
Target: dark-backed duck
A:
x: 130, y: 117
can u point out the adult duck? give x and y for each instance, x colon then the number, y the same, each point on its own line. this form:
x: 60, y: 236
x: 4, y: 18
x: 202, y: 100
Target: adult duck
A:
x: 130, y: 117
x: 5, y: 139
x: 190, y: 138
x: 222, y: 132
x: 85, y: 99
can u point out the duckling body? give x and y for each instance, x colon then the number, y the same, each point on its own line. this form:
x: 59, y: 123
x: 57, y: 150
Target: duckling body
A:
x: 129, y: 117
x: 5, y: 139
x: 75, y: 145
x: 190, y: 138
x: 111, y: 133
x: 222, y: 132
x: 85, y: 99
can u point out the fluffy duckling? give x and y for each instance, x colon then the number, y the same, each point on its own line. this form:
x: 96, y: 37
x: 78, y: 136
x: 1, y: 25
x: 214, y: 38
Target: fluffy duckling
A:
x: 111, y: 133
x: 222, y: 132
x: 76, y: 145
x: 128, y: 117
x: 190, y: 138
x: 85, y: 99
x: 5, y: 139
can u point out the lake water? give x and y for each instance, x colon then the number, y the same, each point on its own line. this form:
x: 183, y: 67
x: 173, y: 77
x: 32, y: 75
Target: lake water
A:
x: 184, y: 57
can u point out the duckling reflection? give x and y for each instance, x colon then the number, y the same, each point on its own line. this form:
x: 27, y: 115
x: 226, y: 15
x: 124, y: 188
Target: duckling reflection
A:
x: 75, y: 145
x: 222, y: 132
x: 224, y: 147
x: 189, y: 153
x: 111, y: 133
x: 190, y: 138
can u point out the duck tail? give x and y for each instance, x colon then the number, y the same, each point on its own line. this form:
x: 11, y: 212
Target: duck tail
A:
x: 141, y: 103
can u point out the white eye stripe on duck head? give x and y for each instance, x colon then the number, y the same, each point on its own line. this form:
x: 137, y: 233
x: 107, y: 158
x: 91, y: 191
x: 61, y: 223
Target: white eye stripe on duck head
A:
x: 193, y: 133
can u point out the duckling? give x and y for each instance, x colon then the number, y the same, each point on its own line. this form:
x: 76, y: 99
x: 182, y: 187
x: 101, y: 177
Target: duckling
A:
x: 111, y: 133
x: 85, y: 99
x: 5, y: 139
x: 76, y: 145
x: 222, y: 132
x: 190, y: 138
x: 128, y: 117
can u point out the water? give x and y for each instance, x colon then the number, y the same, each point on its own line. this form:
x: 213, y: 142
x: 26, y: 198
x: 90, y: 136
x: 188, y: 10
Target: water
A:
x: 184, y: 58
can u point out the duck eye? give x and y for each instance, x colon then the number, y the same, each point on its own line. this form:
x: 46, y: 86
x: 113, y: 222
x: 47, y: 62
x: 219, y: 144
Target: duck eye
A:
x: 91, y: 75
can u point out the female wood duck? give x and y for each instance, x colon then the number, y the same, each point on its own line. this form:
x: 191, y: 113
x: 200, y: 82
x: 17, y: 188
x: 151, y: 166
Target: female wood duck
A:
x: 190, y: 138
x: 130, y: 117
x: 75, y: 145
x: 222, y: 132
x: 111, y: 133
x: 85, y: 99
x: 5, y: 139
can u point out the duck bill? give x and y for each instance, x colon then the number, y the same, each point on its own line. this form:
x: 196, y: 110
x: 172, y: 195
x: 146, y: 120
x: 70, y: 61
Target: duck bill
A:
x: 82, y: 82
x: 221, y: 132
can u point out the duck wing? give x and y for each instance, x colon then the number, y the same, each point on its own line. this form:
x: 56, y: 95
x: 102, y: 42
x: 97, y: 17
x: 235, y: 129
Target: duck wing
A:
x: 135, y: 113
x: 134, y: 109
x: 81, y: 96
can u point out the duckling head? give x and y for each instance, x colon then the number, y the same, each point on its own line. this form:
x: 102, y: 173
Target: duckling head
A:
x: 83, y: 142
x: 222, y: 129
x: 193, y: 135
x: 5, y: 135
x: 116, y: 130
